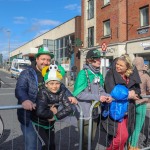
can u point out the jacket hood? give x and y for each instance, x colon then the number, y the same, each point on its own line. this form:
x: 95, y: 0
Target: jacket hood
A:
x: 85, y: 66
x: 139, y: 63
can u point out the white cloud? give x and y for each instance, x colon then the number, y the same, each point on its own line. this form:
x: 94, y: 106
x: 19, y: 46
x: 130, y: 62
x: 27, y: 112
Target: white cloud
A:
x: 19, y: 20
x: 46, y: 22
x: 41, y: 32
x: 39, y: 24
x: 73, y: 7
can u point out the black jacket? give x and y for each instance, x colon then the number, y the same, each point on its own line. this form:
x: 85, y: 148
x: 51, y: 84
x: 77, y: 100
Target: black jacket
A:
x: 45, y: 99
x: 113, y: 78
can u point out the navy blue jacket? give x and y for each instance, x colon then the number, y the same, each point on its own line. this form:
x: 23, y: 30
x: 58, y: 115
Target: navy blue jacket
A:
x: 27, y: 89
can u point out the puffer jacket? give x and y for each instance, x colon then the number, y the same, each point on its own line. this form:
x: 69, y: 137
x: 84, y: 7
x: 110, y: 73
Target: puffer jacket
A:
x: 45, y: 99
x: 26, y: 89
x: 145, y: 78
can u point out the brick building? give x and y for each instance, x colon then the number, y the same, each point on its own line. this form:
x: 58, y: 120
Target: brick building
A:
x: 123, y: 25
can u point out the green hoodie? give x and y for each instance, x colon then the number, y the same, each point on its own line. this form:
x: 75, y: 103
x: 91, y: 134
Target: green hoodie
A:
x: 82, y: 81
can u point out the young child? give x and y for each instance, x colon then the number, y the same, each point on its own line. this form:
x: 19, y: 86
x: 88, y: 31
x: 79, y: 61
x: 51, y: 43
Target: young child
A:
x: 49, y: 97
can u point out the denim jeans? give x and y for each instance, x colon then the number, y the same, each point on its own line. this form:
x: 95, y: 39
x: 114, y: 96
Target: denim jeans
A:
x: 31, y: 140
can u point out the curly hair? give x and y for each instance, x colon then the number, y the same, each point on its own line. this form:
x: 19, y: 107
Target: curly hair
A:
x: 128, y: 62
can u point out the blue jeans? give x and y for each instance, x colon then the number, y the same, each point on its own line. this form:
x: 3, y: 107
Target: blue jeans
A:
x: 30, y: 138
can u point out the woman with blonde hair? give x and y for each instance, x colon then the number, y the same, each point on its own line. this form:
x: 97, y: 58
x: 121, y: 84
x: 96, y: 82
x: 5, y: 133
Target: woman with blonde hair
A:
x: 123, y: 73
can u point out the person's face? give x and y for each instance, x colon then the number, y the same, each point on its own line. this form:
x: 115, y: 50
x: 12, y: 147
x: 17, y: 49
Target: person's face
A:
x: 121, y: 67
x: 146, y: 67
x: 96, y: 62
x: 53, y: 86
x: 42, y: 61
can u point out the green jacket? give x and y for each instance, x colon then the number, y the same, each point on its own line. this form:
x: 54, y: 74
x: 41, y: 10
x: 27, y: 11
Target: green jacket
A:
x: 81, y: 82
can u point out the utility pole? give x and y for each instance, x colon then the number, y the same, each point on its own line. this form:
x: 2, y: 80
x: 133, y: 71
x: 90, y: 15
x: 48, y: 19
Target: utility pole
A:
x: 9, y: 45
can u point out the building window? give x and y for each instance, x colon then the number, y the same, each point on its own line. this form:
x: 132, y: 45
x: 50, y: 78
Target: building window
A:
x: 61, y: 47
x: 106, y: 2
x: 90, y: 9
x: 90, y: 36
x: 50, y: 44
x: 144, y: 17
x: 106, y: 28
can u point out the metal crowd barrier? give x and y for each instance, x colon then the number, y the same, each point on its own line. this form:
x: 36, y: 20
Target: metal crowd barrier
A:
x: 59, y: 123
x: 81, y: 118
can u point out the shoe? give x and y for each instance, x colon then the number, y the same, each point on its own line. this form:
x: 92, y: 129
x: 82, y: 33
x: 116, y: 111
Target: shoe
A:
x: 133, y: 148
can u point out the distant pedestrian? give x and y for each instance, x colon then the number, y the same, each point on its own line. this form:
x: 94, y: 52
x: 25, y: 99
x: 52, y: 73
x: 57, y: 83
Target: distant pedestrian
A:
x: 147, y: 70
x: 74, y: 72
x: 140, y: 104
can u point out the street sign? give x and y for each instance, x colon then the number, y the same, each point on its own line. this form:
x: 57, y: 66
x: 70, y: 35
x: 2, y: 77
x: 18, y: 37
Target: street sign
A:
x: 104, y: 46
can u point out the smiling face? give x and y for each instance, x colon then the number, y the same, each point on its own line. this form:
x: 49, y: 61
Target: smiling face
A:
x: 53, y: 86
x: 121, y: 67
x: 42, y: 61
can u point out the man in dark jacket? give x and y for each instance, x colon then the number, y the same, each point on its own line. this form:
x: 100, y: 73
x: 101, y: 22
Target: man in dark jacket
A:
x: 26, y: 92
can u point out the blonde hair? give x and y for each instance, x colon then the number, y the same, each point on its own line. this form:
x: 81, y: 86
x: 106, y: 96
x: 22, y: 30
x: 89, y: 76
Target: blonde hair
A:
x: 128, y: 62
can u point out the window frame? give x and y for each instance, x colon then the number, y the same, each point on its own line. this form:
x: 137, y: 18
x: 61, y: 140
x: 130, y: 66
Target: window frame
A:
x: 142, y: 17
x: 106, y: 2
x: 90, y: 11
x: 91, y: 36
x: 106, y: 29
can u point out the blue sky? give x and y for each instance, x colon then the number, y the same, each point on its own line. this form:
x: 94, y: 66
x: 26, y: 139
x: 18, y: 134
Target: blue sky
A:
x: 23, y: 20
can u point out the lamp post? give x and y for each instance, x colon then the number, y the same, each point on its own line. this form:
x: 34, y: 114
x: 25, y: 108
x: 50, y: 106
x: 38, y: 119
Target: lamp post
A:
x: 9, y: 45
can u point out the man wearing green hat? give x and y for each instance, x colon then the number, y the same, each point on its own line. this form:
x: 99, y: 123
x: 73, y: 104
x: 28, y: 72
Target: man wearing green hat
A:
x: 27, y: 86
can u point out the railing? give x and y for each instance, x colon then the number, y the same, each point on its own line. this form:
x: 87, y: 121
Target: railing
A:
x: 81, y: 118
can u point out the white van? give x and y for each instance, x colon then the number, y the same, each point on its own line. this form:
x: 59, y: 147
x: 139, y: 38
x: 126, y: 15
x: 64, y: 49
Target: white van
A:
x: 17, y: 66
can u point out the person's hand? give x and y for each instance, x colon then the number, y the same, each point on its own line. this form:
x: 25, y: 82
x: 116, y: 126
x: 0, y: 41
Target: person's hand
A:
x: 133, y: 95
x: 28, y: 105
x: 53, y: 109
x: 73, y: 100
x: 103, y: 98
x: 53, y: 119
x: 109, y: 99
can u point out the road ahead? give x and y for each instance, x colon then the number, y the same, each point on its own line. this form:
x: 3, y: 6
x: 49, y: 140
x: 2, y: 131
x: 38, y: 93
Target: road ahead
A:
x: 12, y: 134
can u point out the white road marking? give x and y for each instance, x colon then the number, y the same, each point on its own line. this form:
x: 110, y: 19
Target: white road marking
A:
x: 7, y: 93
x: 9, y: 83
x: 9, y: 77
x: 7, y: 88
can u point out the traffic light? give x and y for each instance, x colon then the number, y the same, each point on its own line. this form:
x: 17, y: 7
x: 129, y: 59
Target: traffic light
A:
x: 69, y: 50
